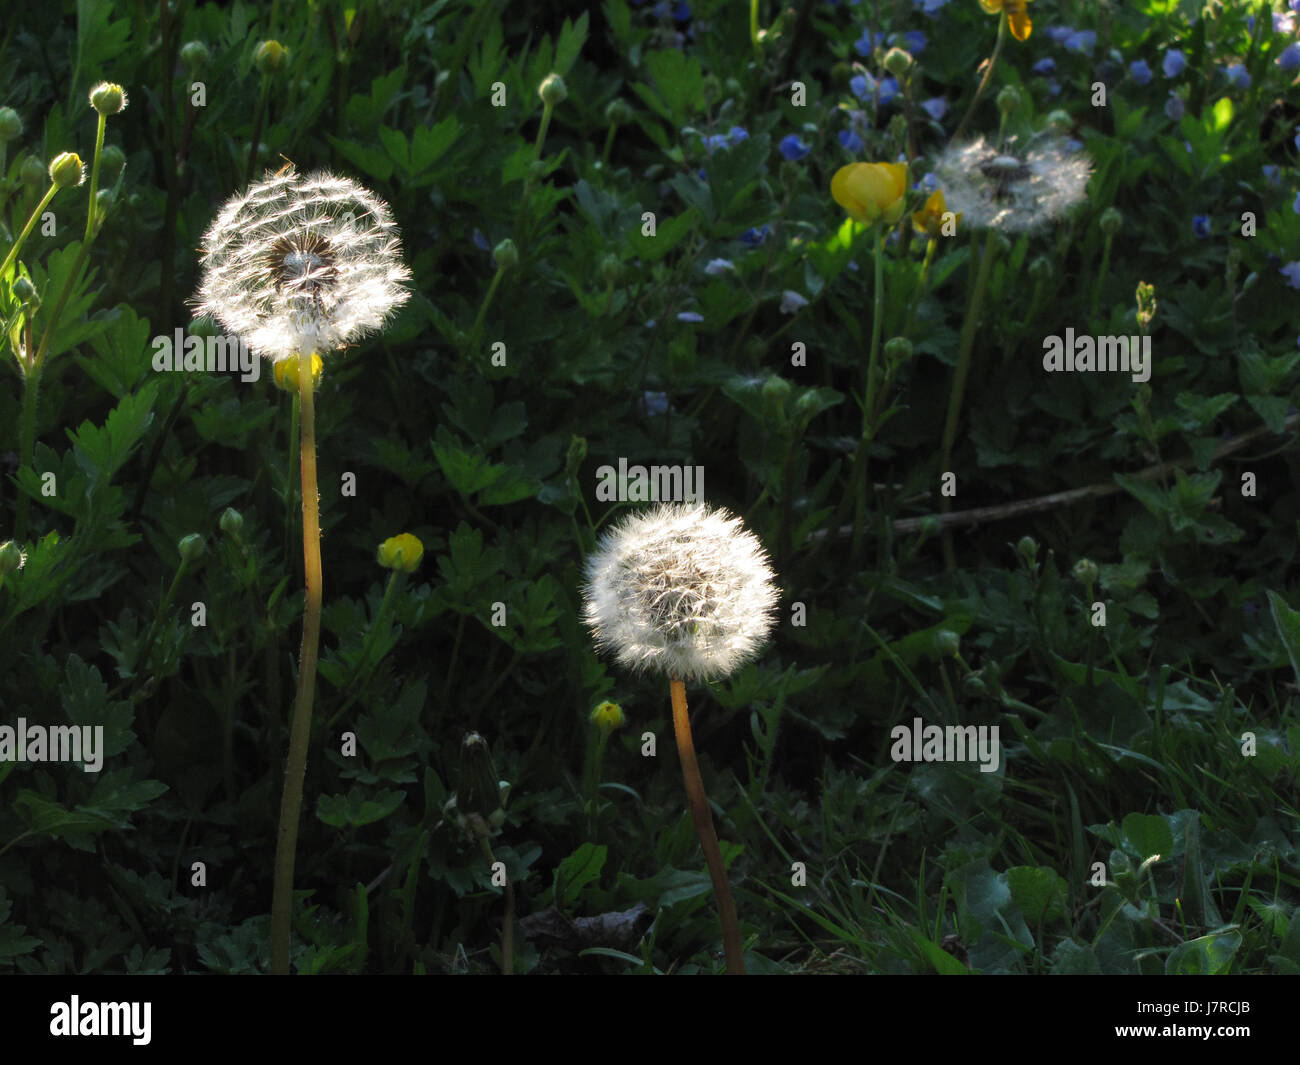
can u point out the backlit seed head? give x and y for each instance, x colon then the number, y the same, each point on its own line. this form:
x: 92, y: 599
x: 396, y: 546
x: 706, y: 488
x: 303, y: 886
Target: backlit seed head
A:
x: 67, y: 170
x: 1013, y: 191
x: 302, y: 263
x: 108, y: 98
x: 681, y: 589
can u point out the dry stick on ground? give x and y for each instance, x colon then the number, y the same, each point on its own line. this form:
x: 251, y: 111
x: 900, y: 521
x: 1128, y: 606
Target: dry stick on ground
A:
x: 1002, y: 511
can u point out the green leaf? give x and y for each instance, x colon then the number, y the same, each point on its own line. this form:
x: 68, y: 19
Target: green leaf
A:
x: 1038, y: 891
x: 1287, y: 623
x: 1149, y: 834
x: 356, y: 808
x: 1207, y: 956
x: 576, y: 871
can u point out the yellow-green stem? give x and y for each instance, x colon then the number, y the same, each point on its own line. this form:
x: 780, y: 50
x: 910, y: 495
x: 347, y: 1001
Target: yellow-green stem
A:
x: 300, y: 728
x: 94, y: 178
x: 31, y: 223
x: 704, y: 830
x: 984, y: 81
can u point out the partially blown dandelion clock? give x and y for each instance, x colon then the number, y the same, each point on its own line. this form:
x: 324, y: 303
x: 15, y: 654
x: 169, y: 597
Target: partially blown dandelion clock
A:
x: 682, y: 589
x: 302, y: 263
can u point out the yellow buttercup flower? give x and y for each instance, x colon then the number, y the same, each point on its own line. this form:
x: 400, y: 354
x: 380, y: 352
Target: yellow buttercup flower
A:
x: 285, y: 372
x: 607, y: 717
x: 401, y: 552
x: 1017, y: 15
x: 928, y: 221
x: 871, y: 192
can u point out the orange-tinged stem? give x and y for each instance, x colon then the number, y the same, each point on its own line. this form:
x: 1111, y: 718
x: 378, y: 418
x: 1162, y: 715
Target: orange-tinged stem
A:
x: 300, y: 729
x: 704, y: 831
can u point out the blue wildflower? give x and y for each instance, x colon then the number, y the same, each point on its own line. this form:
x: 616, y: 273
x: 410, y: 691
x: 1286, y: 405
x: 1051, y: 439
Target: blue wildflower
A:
x: 914, y: 41
x: 793, y: 148
x: 791, y: 301
x: 936, y: 107
x: 1290, y: 57
x: 480, y: 241
x: 1174, y: 107
x: 1173, y: 63
x: 690, y: 316
x: 1272, y: 174
x: 736, y: 134
x: 1292, y: 274
x: 716, y: 267
x: 851, y: 141
x: 681, y: 11
x: 1296, y: 206
x: 1201, y: 226
x: 888, y: 90
x: 1060, y: 34
x: 861, y: 86
x: 755, y: 237
x: 1139, y: 71
x: 1084, y: 41
x: 1237, y: 76
x: 1045, y: 66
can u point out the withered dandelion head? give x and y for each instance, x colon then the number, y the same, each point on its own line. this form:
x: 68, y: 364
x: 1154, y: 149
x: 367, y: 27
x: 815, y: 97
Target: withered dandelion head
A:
x: 682, y: 589
x: 302, y: 263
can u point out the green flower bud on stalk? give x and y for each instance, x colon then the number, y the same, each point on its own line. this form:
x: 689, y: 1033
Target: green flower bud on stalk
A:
x: 111, y: 161
x: 33, y: 172
x: 776, y: 390
x: 973, y: 684
x: 24, y: 291
x: 618, y: 111
x: 1009, y: 100
x: 195, y: 55
x: 190, y: 547
x: 11, y: 124
x: 67, y: 170
x: 1086, y: 572
x: 947, y: 643
x: 930, y: 526
x: 478, y: 789
x: 232, y: 522
x: 552, y: 90
x: 1111, y: 220
x: 12, y: 558
x: 607, y: 717
x: 506, y: 255
x: 898, y: 349
x: 1060, y: 121
x: 108, y: 98
x: 1027, y: 549
x: 103, y: 201
x: 611, y: 269
x: 898, y: 61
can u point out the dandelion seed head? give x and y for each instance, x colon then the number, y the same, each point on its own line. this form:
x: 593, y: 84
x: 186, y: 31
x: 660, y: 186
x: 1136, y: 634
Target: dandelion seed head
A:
x: 302, y: 262
x: 681, y: 589
x: 1014, y: 191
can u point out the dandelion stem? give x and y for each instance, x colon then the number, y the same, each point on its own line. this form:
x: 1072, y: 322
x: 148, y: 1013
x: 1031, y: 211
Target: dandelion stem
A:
x: 959, y: 380
x: 704, y: 830
x: 300, y: 728
x: 984, y: 81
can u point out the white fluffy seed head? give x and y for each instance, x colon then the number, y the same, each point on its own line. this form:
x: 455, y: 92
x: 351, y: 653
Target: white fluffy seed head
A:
x: 681, y: 589
x: 302, y: 262
x: 1014, y: 191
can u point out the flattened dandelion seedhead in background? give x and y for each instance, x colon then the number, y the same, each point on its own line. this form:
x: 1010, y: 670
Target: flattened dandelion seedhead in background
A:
x: 302, y: 262
x: 682, y: 589
x: 1016, y: 192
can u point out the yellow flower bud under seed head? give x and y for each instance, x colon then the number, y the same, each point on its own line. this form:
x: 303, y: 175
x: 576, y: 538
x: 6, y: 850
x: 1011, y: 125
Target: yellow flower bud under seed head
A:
x: 270, y: 56
x: 11, y: 124
x: 871, y: 192
x: 285, y: 372
x: 928, y: 221
x: 108, y: 98
x: 67, y: 170
x: 553, y: 90
x: 401, y: 552
x: 607, y: 717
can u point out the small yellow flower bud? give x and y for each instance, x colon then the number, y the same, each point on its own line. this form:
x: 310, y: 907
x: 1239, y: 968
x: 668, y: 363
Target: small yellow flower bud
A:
x: 270, y: 56
x: 108, y: 98
x: 285, y: 372
x: 67, y: 170
x: 401, y: 552
x: 607, y: 717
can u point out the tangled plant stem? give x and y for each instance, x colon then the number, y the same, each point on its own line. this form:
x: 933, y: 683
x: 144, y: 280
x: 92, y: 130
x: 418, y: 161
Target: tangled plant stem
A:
x: 704, y: 830
x: 300, y: 728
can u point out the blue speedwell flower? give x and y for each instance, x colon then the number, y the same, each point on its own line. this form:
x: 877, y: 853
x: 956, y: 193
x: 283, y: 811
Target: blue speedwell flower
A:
x: 1173, y: 63
x: 1290, y: 57
x: 793, y: 148
x: 755, y: 237
x: 1237, y: 76
x: 1201, y: 226
x: 1059, y: 34
x: 1140, y: 72
x: 1045, y: 66
x: 936, y: 107
x: 717, y: 267
x: 1292, y: 273
x: 1083, y: 41
x: 851, y: 141
x: 861, y: 86
x: 1174, y: 107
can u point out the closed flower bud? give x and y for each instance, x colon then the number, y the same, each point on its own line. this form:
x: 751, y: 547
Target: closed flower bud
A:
x: 1111, y: 221
x: 776, y: 390
x: 1086, y: 572
x: 24, y: 291
x: 478, y: 791
x: 1009, y: 100
x: 190, y: 547
x: 1060, y: 121
x: 898, y: 349
x: 232, y: 522
x: 607, y: 717
x: 973, y: 684
x: 285, y: 372
x: 947, y: 642
x: 33, y: 172
x: 401, y: 552
x: 1027, y: 549
x: 108, y: 98
x: 103, y: 201
x: 67, y: 171
x: 618, y: 112
x: 269, y: 56
x: 194, y: 54
x: 12, y: 558
x: 576, y: 454
x: 898, y: 61
x: 611, y: 269
x: 506, y: 255
x: 552, y: 90
x: 841, y: 75
x: 111, y: 161
x: 11, y: 125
